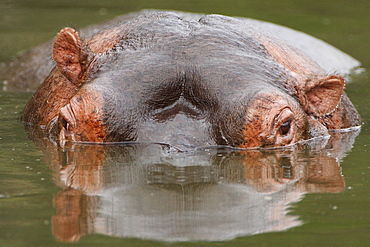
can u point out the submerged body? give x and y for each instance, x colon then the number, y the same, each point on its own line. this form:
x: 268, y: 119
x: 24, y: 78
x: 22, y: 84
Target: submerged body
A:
x: 160, y: 78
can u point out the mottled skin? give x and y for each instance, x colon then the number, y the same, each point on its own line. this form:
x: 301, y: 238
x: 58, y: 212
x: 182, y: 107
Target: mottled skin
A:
x: 159, y: 78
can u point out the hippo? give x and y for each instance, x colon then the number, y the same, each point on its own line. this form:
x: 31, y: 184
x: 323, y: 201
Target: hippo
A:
x: 158, y: 77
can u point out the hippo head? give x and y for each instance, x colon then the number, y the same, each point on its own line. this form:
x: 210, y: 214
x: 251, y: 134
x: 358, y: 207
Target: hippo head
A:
x: 161, y: 79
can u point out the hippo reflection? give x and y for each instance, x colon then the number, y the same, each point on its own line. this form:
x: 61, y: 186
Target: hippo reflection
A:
x: 157, y: 193
x: 190, y: 81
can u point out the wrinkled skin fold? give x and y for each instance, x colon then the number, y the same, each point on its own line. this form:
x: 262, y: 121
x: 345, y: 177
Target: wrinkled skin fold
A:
x: 159, y: 78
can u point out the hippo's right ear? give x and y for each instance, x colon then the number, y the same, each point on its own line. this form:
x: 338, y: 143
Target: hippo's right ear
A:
x: 321, y: 96
x: 70, y: 55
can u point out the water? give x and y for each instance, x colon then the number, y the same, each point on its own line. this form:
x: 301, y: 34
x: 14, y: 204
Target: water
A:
x: 141, y: 195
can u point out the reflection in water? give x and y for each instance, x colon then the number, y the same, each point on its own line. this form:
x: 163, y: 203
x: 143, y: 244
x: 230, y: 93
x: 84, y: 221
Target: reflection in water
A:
x: 149, y: 191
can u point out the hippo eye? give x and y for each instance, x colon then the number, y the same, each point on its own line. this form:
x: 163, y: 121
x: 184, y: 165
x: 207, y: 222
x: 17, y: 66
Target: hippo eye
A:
x: 285, y: 127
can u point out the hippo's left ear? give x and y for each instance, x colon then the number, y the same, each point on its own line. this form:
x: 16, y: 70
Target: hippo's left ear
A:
x: 70, y: 55
x: 321, y: 96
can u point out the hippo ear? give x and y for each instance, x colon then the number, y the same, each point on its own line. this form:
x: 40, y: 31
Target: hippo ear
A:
x: 321, y: 96
x: 70, y: 55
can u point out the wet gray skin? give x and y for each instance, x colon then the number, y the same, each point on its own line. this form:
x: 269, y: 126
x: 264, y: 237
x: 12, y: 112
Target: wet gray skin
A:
x: 164, y: 79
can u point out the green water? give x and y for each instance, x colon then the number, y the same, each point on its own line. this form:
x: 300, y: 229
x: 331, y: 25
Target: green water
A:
x: 30, y: 182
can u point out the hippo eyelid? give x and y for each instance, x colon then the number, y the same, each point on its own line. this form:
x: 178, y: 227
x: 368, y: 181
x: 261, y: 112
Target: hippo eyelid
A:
x: 64, y: 123
x: 284, y: 121
x: 67, y: 114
